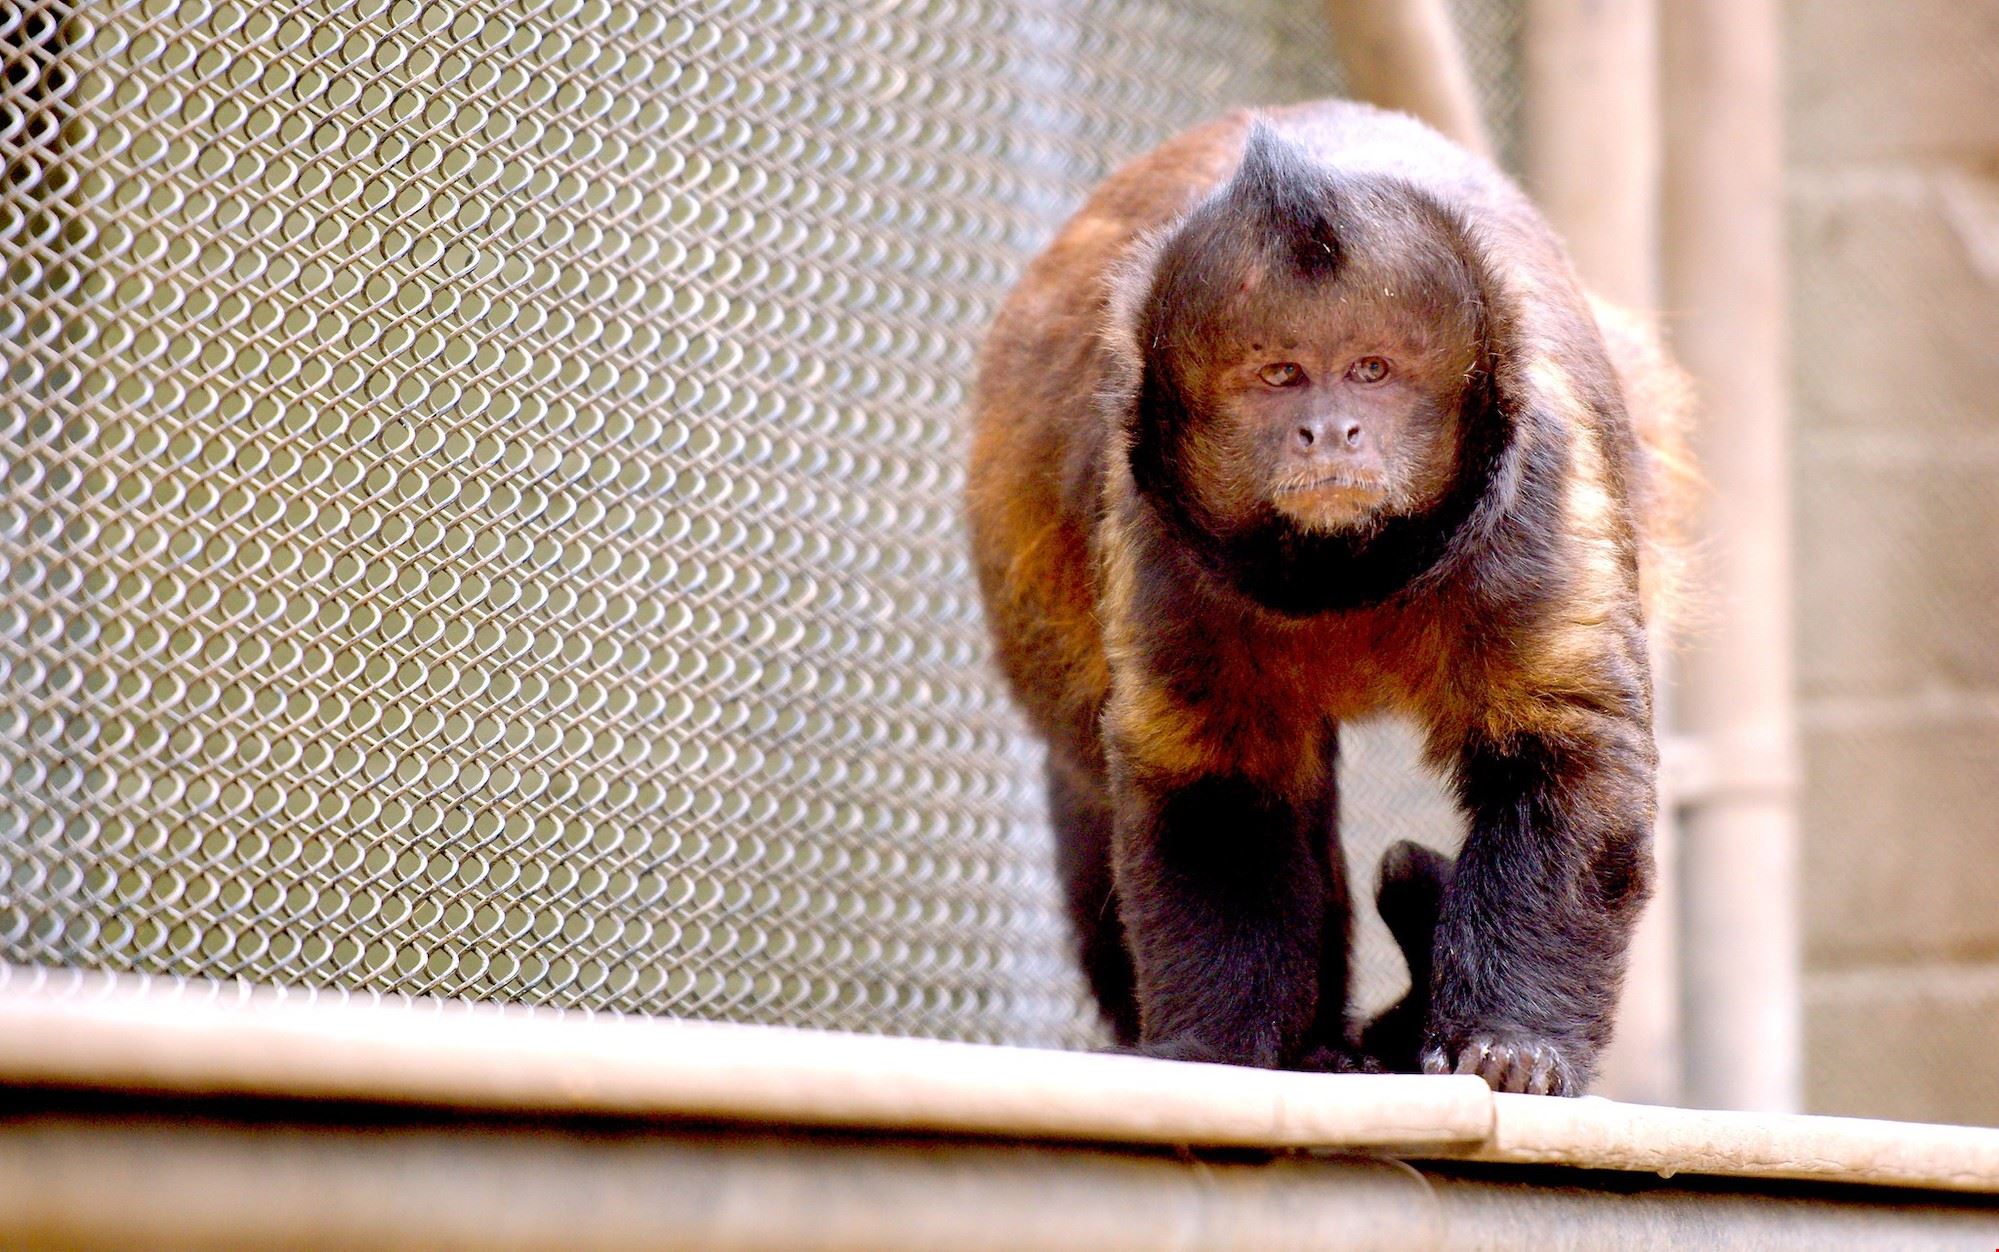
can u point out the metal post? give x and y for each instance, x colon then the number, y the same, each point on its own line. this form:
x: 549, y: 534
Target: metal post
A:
x: 1404, y: 55
x: 1589, y: 125
x: 1590, y: 147
x: 1725, y: 292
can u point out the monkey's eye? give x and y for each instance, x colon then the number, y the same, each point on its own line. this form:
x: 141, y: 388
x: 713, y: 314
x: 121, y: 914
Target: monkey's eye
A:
x: 1282, y: 374
x: 1369, y: 369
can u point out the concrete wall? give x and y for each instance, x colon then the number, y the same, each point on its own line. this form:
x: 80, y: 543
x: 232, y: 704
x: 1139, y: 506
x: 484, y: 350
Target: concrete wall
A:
x: 1894, y: 202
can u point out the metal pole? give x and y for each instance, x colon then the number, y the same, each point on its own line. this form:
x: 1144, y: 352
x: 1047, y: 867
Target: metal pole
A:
x: 1725, y: 294
x: 1589, y: 125
x: 1404, y: 54
x: 1590, y: 151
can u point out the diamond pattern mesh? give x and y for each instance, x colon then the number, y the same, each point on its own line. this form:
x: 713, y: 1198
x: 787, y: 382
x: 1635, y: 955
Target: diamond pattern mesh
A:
x: 480, y: 502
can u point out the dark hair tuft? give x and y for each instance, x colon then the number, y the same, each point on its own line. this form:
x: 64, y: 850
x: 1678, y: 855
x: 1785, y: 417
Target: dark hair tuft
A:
x: 1286, y: 195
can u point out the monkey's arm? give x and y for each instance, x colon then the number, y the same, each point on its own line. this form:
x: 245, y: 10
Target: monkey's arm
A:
x: 1221, y: 784
x: 1530, y: 947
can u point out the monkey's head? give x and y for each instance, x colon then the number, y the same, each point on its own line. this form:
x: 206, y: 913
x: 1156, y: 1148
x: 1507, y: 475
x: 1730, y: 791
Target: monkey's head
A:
x: 1310, y: 348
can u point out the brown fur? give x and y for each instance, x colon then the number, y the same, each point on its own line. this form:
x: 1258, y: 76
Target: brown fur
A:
x: 1149, y: 681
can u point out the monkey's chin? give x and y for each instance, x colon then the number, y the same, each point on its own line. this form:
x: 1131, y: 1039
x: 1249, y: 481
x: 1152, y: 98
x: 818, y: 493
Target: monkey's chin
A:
x: 1333, y: 508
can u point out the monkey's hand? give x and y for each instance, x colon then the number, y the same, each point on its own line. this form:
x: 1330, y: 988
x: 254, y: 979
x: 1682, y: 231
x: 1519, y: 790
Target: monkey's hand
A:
x: 1529, y: 947
x: 1512, y: 1063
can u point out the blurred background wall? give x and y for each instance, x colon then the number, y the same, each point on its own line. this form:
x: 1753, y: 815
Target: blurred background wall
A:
x: 1893, y: 190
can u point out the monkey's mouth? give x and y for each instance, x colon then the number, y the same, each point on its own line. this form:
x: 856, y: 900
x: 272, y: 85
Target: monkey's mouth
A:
x: 1339, y: 501
x: 1338, y: 483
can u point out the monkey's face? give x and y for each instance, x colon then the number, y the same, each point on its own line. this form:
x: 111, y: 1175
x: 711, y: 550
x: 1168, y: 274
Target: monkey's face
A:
x: 1307, y: 343
x: 1335, y: 405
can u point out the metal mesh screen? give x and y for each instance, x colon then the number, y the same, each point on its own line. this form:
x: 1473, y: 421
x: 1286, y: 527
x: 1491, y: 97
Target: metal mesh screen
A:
x: 481, y: 489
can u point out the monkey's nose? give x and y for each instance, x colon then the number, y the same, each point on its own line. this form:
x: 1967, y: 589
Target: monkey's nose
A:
x: 1346, y: 430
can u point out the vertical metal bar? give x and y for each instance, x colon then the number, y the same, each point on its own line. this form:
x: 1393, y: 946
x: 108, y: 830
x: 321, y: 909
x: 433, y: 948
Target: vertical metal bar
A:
x: 1725, y: 287
x: 1405, y: 55
x: 1590, y: 137
x: 1590, y: 150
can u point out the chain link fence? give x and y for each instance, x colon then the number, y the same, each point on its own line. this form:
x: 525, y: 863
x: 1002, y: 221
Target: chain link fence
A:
x: 480, y: 501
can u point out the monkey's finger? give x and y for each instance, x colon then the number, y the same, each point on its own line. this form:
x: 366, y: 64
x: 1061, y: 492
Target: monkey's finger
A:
x: 1541, y: 1076
x: 1473, y: 1058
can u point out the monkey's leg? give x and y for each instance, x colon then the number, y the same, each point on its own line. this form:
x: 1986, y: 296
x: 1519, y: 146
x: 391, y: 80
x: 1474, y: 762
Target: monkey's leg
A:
x: 1332, y: 1046
x: 1409, y: 894
x: 1082, y: 818
x: 1223, y: 903
x: 1530, y: 946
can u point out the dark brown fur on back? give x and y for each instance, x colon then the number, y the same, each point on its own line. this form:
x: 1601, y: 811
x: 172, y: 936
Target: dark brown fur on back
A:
x: 1189, y: 667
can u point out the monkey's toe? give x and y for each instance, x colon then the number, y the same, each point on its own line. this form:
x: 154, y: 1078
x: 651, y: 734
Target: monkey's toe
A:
x: 1522, y: 1065
x: 1178, y: 1049
x: 1324, y: 1059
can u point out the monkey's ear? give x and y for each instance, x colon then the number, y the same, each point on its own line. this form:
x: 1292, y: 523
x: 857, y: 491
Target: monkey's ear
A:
x: 1286, y: 197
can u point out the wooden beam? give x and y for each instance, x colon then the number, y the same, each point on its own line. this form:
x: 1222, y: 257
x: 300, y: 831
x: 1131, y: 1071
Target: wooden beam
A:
x: 120, y: 1034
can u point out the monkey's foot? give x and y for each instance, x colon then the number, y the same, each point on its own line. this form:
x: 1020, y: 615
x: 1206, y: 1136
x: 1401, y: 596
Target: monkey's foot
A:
x: 1180, y: 1049
x: 1514, y: 1064
x: 1330, y: 1060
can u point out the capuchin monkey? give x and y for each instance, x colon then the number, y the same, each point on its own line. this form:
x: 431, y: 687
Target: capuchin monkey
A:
x: 1304, y: 419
